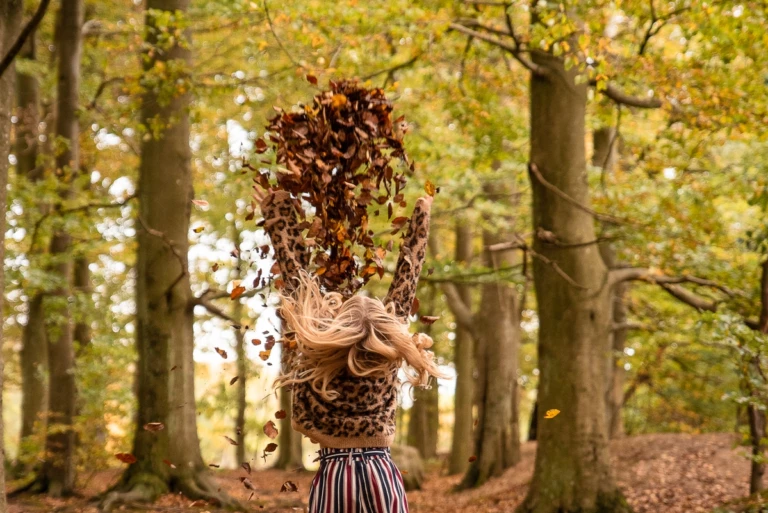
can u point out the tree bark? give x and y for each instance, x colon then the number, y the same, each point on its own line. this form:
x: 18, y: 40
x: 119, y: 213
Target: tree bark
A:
x: 164, y: 300
x: 464, y: 362
x: 289, y: 441
x: 10, y: 19
x: 58, y: 475
x: 756, y: 416
x: 572, y: 470
x: 424, y: 420
x: 242, y: 374
x: 34, y: 348
x: 605, y: 155
x: 497, y: 434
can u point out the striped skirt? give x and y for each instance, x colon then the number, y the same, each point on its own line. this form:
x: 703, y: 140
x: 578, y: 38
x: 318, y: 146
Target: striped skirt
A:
x: 357, y: 481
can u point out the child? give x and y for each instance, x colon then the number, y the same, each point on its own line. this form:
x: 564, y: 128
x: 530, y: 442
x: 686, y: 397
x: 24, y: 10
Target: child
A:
x: 343, y: 370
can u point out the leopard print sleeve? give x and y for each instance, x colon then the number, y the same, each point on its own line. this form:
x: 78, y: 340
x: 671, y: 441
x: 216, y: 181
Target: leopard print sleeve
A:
x: 283, y: 229
x: 411, y: 259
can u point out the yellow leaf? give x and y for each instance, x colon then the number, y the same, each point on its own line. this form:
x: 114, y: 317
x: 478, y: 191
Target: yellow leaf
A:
x: 199, y: 229
x: 551, y: 414
x: 338, y: 100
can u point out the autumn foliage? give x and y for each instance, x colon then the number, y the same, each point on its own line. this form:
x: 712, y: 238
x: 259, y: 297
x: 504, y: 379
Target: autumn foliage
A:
x: 339, y: 155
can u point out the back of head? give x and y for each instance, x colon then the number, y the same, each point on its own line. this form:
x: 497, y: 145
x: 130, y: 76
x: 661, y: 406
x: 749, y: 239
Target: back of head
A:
x: 360, y: 334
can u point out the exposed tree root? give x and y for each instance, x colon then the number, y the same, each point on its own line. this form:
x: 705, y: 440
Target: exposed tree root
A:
x: 200, y: 486
x: 140, y: 488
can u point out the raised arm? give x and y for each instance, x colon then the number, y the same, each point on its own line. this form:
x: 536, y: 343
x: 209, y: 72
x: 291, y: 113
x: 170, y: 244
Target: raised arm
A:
x: 283, y: 229
x: 411, y: 259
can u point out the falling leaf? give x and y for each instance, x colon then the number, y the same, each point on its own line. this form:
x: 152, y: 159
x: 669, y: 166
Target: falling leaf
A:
x: 280, y: 415
x: 551, y: 414
x: 230, y: 440
x: 154, y: 426
x: 199, y: 229
x: 174, y: 367
x: 472, y: 458
x: 270, y: 430
x: 200, y: 203
x: 261, y: 146
x: 271, y: 447
x: 430, y: 188
x: 247, y: 483
x: 215, y: 267
x: 234, y: 380
x: 214, y: 465
x: 126, y: 458
x: 289, y: 486
x: 338, y: 100
x: 312, y: 79
x: 236, y: 292
x: 428, y: 319
x: 264, y: 355
x: 415, y: 306
x: 246, y: 466
x: 430, y: 271
x: 256, y: 342
x: 169, y: 463
x: 221, y: 352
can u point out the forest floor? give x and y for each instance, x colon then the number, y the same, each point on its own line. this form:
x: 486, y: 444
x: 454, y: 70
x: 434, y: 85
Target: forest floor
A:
x: 662, y: 473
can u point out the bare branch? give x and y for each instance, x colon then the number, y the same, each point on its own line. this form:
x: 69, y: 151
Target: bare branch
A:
x: 464, y: 316
x: 172, y: 246
x: 215, y: 310
x: 28, y: 29
x: 396, y: 67
x: 518, y: 53
x: 280, y: 43
x: 617, y: 95
x: 557, y: 269
x: 533, y: 168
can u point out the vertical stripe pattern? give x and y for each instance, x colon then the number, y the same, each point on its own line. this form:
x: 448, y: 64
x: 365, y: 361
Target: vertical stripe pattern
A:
x: 357, y: 481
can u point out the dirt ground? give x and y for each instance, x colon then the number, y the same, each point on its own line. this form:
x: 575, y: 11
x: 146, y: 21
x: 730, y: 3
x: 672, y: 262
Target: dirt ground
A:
x: 664, y: 473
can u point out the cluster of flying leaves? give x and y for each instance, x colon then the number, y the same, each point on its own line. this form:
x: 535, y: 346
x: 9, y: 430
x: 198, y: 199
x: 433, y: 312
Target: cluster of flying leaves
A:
x: 337, y: 155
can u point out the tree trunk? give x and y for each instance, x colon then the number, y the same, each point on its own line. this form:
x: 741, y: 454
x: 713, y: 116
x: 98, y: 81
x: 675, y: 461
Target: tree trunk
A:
x: 34, y: 348
x: 497, y: 435
x: 572, y: 470
x: 461, y: 445
x: 242, y: 374
x: 605, y: 155
x: 757, y: 418
x: 424, y: 420
x: 164, y: 300
x: 10, y: 18
x: 82, y: 285
x: 58, y: 475
x: 534, y: 422
x: 289, y: 441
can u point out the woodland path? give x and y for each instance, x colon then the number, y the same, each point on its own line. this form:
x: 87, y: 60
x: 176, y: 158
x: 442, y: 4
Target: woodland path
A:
x: 659, y: 473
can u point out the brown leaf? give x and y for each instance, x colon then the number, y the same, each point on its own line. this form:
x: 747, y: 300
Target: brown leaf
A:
x: 256, y: 342
x: 280, y: 415
x: 221, y: 352
x: 472, y: 458
x: 271, y: 447
x: 234, y: 380
x: 230, y: 440
x: 415, y: 306
x: 289, y: 486
x: 428, y: 319
x: 215, y: 267
x: 270, y: 430
x: 246, y: 466
x: 312, y: 79
x: 236, y: 292
x: 264, y: 355
x: 214, y: 465
x: 247, y: 483
x: 154, y: 426
x: 126, y: 457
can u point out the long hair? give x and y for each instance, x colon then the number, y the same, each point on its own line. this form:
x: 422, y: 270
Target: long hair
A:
x: 360, y: 334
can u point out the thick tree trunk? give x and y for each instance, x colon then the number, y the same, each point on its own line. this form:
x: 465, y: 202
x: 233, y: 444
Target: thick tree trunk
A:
x: 58, y: 475
x: 83, y: 287
x: 464, y: 362
x: 10, y: 18
x: 533, y: 424
x: 164, y: 300
x: 605, y: 155
x: 34, y: 348
x: 572, y: 470
x: 497, y: 434
x: 424, y: 420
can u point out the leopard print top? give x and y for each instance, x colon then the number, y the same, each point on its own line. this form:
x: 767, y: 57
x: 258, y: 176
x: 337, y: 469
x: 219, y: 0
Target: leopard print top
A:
x: 364, y: 413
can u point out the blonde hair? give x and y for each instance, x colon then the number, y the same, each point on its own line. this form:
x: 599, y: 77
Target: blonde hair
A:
x: 360, y: 334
